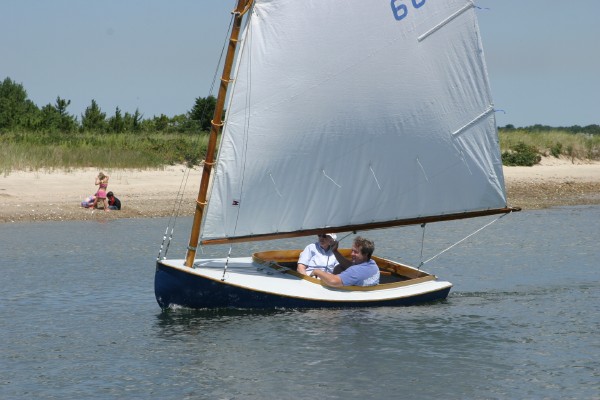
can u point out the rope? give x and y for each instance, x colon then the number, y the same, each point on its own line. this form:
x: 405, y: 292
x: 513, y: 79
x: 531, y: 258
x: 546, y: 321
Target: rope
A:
x: 178, y: 203
x: 422, y: 244
x: 173, y: 217
x: 462, y: 240
x: 226, y: 264
x: 162, y: 244
x: 246, y: 129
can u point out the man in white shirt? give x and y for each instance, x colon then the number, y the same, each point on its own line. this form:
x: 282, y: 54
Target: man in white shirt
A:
x: 318, y: 256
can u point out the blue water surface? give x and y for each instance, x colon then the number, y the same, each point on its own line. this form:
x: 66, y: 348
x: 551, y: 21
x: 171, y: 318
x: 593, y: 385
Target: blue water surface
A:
x: 79, y: 319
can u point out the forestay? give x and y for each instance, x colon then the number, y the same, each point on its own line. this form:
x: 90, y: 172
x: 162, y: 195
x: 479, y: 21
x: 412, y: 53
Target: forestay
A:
x: 352, y: 112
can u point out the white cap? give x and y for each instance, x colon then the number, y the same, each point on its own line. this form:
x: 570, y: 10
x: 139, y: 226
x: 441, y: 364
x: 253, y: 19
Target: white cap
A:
x: 332, y: 235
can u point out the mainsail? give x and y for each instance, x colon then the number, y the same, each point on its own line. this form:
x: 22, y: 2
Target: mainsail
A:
x: 354, y: 113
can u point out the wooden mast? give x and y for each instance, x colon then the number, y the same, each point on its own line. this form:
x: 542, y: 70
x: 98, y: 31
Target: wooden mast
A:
x: 216, y: 124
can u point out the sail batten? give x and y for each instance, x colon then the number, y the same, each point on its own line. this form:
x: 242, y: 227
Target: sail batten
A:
x: 339, y: 116
x: 436, y: 28
x: 475, y: 120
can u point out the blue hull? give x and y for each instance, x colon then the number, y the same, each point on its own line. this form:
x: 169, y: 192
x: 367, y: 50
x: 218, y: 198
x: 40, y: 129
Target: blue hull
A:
x: 175, y: 287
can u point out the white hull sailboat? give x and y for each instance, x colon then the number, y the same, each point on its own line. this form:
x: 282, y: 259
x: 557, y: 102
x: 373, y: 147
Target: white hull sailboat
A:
x: 341, y: 117
x: 269, y: 280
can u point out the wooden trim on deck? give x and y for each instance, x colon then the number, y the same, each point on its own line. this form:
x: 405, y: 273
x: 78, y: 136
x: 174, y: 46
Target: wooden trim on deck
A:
x: 271, y: 259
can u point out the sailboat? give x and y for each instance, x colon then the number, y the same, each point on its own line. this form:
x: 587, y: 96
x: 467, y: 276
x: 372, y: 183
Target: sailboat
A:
x: 341, y: 117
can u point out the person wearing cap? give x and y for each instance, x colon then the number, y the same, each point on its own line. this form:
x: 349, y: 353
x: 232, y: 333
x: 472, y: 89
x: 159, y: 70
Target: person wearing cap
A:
x: 360, y: 271
x: 318, y: 255
x: 113, y: 202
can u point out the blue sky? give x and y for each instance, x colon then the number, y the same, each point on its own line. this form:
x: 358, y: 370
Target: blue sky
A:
x: 158, y: 56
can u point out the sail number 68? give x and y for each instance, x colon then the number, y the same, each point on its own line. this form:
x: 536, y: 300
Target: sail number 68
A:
x: 400, y: 10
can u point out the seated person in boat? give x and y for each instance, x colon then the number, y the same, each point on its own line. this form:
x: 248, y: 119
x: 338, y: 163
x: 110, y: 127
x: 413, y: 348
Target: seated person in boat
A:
x: 360, y: 271
x: 318, y: 255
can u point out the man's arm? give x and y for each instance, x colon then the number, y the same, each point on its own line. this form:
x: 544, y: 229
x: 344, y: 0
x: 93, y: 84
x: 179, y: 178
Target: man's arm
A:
x: 301, y: 268
x: 343, y: 261
x: 328, y: 279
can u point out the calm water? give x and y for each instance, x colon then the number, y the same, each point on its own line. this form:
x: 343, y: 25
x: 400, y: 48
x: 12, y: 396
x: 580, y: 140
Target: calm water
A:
x: 79, y: 320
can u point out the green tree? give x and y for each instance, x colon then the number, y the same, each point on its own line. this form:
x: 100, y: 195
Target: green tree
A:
x: 50, y: 118
x: 56, y: 118
x: 116, y: 123
x: 16, y: 110
x: 161, y: 123
x: 182, y: 123
x: 203, y: 111
x: 133, y: 122
x: 93, y: 119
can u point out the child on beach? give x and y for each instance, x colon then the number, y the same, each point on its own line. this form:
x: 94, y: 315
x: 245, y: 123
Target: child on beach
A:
x: 102, y: 182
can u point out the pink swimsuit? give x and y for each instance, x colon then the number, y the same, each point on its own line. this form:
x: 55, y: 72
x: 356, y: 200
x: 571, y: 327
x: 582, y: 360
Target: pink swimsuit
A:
x: 102, y: 191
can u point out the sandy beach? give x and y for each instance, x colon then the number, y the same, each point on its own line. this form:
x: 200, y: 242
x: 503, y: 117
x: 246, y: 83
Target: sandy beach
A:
x: 56, y: 195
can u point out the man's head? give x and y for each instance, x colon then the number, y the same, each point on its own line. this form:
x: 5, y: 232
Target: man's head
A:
x: 362, y: 250
x: 109, y: 194
x: 326, y: 239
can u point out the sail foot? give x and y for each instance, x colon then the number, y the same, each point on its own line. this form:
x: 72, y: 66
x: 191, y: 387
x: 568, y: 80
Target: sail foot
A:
x: 361, y: 227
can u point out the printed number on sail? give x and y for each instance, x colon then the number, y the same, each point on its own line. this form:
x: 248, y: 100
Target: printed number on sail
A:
x: 400, y: 10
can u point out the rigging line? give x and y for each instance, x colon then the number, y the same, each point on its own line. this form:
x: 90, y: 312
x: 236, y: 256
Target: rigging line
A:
x: 177, y: 206
x: 205, y: 109
x: 246, y: 128
x: 463, y: 239
x: 178, y: 213
x: 338, y: 241
x: 162, y: 244
x: 436, y: 28
x: 422, y: 244
x: 328, y: 177
x: 169, y: 242
x: 353, y: 232
x: 173, y: 215
x: 217, y: 69
x: 226, y: 264
x: 223, y: 49
x: 373, y: 172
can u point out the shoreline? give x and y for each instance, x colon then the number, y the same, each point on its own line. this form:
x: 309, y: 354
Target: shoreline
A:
x: 55, y: 195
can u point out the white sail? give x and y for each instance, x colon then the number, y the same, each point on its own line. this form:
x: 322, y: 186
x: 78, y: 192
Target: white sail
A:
x: 354, y: 112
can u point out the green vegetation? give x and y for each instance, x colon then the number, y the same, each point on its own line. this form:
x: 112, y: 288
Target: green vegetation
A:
x: 32, y: 151
x: 574, y: 142
x: 49, y: 137
x: 521, y: 154
x: 19, y: 114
